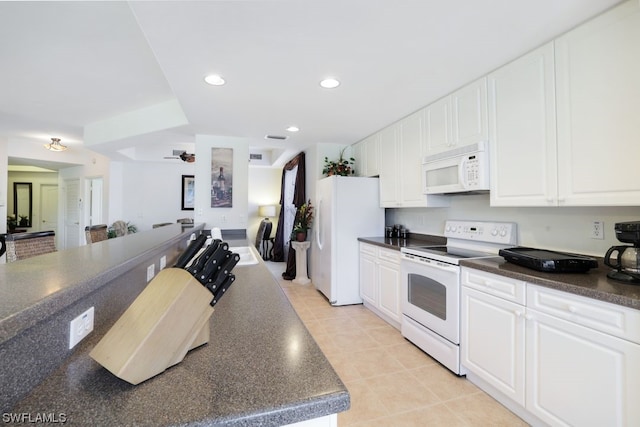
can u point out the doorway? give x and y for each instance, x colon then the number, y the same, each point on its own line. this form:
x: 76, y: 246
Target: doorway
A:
x: 49, y: 209
x: 72, y: 209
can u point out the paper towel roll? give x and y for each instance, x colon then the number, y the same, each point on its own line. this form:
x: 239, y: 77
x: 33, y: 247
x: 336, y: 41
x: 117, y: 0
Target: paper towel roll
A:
x: 216, y: 233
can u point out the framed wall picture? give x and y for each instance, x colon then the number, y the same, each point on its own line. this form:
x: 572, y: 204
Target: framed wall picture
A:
x: 221, y: 177
x: 188, y: 192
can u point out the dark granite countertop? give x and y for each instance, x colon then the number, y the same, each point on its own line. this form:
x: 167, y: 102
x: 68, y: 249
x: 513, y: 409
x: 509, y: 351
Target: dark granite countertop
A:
x: 593, y: 284
x: 34, y: 288
x: 412, y: 240
x: 260, y: 367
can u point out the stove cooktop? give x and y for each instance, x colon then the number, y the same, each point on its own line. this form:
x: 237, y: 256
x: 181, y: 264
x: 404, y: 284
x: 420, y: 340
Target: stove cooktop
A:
x: 448, y: 254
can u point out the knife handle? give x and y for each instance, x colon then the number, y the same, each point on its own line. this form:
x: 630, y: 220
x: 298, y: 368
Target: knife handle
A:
x: 201, y: 261
x: 224, y: 269
x: 212, y: 265
x: 191, y: 250
x: 223, y: 288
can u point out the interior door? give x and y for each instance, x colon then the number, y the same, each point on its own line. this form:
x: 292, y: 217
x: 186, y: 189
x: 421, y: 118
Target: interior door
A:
x: 72, y: 205
x: 49, y: 209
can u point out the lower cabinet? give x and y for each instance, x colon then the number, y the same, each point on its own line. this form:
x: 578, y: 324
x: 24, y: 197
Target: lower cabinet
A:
x: 380, y: 282
x: 552, y: 357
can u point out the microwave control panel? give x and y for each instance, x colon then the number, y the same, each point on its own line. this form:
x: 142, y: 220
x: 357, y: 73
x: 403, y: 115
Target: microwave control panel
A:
x: 473, y: 176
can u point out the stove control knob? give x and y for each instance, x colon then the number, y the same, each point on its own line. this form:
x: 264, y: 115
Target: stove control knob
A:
x: 503, y: 232
x: 494, y: 232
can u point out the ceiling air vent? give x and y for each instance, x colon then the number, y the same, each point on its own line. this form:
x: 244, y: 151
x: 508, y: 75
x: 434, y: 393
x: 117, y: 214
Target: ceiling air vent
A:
x: 255, y: 156
x: 278, y: 137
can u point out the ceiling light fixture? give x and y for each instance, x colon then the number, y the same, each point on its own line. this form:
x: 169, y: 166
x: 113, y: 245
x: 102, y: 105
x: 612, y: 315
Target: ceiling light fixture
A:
x: 329, y: 83
x: 55, y: 145
x: 293, y: 129
x: 214, y: 80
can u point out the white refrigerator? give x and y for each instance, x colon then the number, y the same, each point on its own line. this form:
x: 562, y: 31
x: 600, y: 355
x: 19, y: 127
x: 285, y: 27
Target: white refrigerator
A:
x: 345, y: 208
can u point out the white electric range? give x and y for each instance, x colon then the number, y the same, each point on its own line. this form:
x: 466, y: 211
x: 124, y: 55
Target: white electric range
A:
x: 431, y: 285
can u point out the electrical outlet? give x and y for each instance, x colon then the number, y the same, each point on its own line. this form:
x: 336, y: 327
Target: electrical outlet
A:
x: 151, y: 271
x: 597, y: 230
x: 163, y: 262
x: 80, y: 327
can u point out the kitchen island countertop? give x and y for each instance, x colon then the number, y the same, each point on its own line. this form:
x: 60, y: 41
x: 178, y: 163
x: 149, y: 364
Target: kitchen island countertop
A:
x: 260, y: 367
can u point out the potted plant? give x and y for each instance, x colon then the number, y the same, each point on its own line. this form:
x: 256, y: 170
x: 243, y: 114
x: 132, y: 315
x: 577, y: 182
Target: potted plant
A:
x: 11, y: 222
x: 343, y: 167
x: 303, y: 221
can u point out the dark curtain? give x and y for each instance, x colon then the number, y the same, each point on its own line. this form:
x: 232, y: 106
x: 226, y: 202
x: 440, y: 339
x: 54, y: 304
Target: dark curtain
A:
x: 299, y: 198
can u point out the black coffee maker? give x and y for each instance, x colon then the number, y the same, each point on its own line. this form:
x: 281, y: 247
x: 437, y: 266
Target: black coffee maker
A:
x: 627, y: 258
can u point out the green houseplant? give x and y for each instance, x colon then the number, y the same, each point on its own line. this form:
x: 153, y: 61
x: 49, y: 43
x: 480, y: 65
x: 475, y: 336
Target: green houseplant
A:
x: 342, y: 167
x: 303, y: 221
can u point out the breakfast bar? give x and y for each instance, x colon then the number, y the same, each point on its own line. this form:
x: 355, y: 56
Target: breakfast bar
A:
x: 260, y: 367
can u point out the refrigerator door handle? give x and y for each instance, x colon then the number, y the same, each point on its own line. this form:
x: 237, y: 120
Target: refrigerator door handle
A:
x: 319, y: 224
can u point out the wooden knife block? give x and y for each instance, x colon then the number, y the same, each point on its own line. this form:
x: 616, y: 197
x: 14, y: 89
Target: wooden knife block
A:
x: 169, y: 318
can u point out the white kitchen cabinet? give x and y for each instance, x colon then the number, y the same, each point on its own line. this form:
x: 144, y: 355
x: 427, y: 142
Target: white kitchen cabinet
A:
x: 357, y: 150
x: 576, y: 374
x: 457, y: 120
x: 401, y: 165
x: 598, y: 100
x: 372, y: 155
x: 522, y: 129
x: 380, y: 282
x: 492, y: 343
x: 552, y: 357
x: 368, y: 275
x: 366, y: 154
x: 389, y: 181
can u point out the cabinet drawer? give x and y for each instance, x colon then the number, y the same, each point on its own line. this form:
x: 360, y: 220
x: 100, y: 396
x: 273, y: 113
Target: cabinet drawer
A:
x: 367, y: 249
x: 389, y: 255
x: 502, y: 287
x: 601, y: 316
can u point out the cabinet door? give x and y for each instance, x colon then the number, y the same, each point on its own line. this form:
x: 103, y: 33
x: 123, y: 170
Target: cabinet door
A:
x: 368, y: 278
x: 372, y: 151
x: 598, y: 65
x: 389, y: 285
x: 492, y: 341
x: 358, y: 153
x: 388, y: 167
x: 580, y: 377
x: 437, y: 127
x: 410, y: 162
x: 522, y: 127
x: 469, y: 108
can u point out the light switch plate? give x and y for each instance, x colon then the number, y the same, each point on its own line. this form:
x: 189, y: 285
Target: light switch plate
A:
x: 151, y: 271
x: 163, y: 262
x: 80, y: 327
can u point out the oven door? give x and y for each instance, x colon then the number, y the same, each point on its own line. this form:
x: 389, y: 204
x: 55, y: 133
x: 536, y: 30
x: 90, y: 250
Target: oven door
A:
x: 431, y: 295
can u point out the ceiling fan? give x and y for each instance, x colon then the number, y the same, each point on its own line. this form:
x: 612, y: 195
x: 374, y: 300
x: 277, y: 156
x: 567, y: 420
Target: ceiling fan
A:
x: 182, y: 155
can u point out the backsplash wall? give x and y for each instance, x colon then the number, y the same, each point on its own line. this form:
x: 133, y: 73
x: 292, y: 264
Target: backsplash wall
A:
x: 556, y: 228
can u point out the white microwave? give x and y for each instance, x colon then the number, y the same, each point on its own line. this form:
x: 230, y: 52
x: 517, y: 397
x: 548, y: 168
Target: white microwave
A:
x: 465, y: 169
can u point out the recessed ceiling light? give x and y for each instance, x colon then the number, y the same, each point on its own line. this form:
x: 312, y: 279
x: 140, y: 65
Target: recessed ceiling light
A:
x: 329, y: 83
x: 214, y: 80
x: 293, y: 129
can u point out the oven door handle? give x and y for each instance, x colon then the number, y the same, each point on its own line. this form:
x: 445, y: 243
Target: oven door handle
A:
x: 430, y: 263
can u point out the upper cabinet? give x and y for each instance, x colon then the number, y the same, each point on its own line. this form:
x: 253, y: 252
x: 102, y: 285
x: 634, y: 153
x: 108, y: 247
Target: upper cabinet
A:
x: 598, y: 103
x: 564, y: 122
x: 522, y: 130
x: 401, y: 167
x: 457, y: 120
x: 367, y: 153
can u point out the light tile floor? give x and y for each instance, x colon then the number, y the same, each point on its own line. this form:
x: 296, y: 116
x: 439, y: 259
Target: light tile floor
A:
x: 391, y: 382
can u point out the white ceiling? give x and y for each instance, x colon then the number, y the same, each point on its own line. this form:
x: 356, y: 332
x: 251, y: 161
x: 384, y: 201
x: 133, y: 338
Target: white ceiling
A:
x: 66, y: 65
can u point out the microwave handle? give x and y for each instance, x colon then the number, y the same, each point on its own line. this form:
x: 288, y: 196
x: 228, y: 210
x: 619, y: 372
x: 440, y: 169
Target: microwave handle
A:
x: 461, y: 175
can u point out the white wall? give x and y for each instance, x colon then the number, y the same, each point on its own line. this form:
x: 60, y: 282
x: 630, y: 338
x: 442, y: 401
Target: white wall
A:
x: 37, y: 179
x: 150, y: 193
x: 3, y: 185
x: 224, y: 218
x: 263, y: 189
x: 559, y: 228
